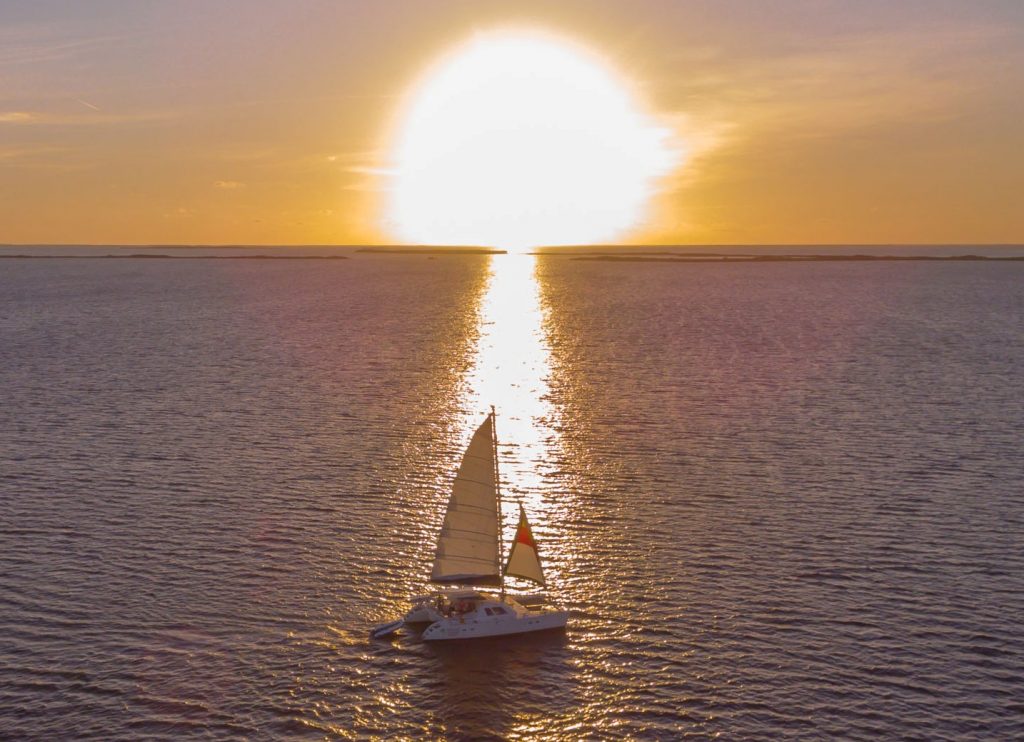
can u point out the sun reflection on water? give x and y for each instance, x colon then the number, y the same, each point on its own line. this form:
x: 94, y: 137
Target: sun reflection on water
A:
x: 510, y: 370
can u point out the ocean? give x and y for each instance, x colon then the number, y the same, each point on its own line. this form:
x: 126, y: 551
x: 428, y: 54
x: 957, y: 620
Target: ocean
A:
x: 780, y: 499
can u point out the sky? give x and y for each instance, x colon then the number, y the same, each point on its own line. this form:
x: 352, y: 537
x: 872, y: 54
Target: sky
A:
x: 255, y: 122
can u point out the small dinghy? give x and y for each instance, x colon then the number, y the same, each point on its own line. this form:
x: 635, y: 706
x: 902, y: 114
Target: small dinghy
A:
x: 469, y: 551
x: 387, y: 629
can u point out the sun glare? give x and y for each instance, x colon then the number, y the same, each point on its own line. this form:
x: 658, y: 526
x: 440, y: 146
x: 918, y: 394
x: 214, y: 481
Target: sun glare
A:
x: 519, y: 139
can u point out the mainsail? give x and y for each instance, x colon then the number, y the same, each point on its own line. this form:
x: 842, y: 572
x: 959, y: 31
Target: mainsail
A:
x: 468, y: 551
x: 523, y: 560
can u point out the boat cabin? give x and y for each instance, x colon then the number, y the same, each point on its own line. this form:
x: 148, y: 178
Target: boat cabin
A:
x: 459, y: 602
x: 496, y: 610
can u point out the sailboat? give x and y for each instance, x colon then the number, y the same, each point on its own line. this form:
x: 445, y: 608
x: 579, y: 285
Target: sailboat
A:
x: 468, y: 555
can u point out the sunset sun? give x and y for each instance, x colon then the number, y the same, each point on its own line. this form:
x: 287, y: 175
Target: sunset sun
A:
x: 519, y: 139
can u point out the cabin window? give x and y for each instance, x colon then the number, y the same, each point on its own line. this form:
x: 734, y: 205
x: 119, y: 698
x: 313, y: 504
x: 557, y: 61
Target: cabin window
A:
x: 487, y: 611
x: 499, y: 611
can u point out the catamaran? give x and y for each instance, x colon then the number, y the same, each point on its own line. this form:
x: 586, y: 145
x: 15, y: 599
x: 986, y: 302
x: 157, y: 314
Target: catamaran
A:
x: 469, y: 551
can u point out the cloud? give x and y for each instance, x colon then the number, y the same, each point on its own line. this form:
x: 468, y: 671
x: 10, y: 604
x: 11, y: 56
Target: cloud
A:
x: 181, y: 212
x: 43, y: 157
x: 364, y: 170
x: 16, y: 117
x: 23, y: 44
x: 38, y: 118
x: 841, y: 84
x: 733, y: 110
x: 228, y: 185
x: 21, y: 153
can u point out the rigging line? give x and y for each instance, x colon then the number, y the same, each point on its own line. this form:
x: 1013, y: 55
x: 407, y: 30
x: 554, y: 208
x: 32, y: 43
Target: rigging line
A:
x: 456, y: 558
x: 488, y: 536
x: 472, y: 481
x: 463, y: 508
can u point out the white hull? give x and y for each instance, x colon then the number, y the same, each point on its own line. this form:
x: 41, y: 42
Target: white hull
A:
x: 386, y: 629
x: 468, y: 614
x: 478, y: 628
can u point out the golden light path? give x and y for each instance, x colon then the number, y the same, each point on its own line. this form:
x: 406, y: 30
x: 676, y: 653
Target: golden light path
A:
x: 510, y: 370
x: 512, y: 365
x: 522, y: 138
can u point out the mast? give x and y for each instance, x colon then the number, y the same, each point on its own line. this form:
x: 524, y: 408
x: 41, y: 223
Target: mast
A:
x: 497, y: 489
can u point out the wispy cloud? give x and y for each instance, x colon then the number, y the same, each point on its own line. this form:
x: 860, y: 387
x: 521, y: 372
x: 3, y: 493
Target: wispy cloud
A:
x: 367, y: 170
x: 34, y: 43
x: 43, y: 118
x: 228, y: 185
x: 847, y: 83
x: 734, y: 106
x: 16, y: 117
x: 43, y: 157
x: 22, y: 153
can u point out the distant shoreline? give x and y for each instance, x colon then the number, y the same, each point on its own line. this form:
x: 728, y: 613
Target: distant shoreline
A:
x: 707, y: 258
x: 599, y: 257
x: 151, y: 256
x: 433, y: 250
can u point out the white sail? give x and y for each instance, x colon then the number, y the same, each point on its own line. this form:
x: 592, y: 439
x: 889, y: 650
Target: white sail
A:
x: 523, y: 560
x: 467, y: 550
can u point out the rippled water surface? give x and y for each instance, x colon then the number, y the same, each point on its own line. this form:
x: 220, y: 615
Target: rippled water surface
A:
x: 780, y: 500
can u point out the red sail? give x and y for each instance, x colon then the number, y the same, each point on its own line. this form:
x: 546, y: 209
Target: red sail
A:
x: 523, y: 534
x: 523, y: 560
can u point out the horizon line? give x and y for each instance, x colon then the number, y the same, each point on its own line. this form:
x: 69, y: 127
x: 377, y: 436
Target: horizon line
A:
x: 200, y: 245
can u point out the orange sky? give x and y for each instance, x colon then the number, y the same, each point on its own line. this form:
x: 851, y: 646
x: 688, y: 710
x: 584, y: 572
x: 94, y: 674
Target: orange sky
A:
x: 265, y: 123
